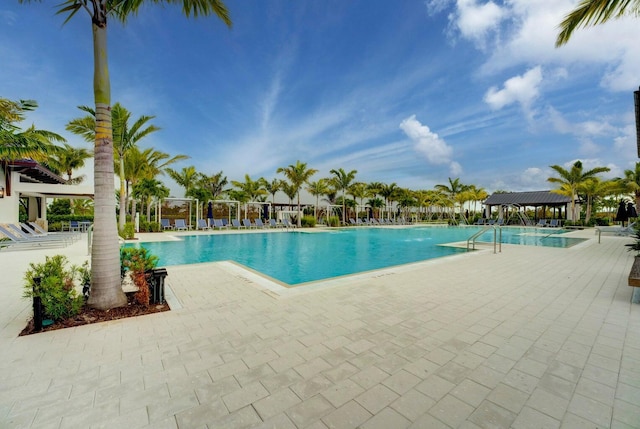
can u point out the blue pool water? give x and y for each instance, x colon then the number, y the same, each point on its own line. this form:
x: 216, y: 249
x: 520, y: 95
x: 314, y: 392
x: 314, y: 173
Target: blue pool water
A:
x: 300, y: 257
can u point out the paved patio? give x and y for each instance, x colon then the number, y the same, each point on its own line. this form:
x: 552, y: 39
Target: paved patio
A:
x: 528, y: 338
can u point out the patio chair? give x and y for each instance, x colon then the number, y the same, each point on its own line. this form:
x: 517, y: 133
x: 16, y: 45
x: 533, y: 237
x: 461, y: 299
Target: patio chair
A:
x: 74, y: 226
x: 247, y: 223
x: 352, y: 221
x: 287, y: 224
x: 18, y: 232
x: 180, y: 225
x: 259, y: 223
x: 202, y: 224
x: 217, y: 223
x: 165, y: 224
x: 236, y: 224
x: 542, y: 223
x: 275, y: 224
x: 37, y: 230
x: 554, y: 223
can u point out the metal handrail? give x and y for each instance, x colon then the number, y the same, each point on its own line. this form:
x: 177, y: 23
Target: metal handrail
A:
x: 497, y: 242
x: 89, y: 238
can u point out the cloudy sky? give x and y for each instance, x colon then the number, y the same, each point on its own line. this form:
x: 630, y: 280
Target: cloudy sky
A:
x: 412, y: 92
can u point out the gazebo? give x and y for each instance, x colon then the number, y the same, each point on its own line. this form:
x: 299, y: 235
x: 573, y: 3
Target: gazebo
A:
x: 535, y: 199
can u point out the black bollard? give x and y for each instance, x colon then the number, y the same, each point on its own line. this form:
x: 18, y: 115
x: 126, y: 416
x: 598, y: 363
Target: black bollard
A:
x: 37, y: 305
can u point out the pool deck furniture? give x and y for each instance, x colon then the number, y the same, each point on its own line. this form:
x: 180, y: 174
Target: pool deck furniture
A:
x: 236, y: 224
x: 259, y: 224
x: 166, y: 224
x: 526, y: 348
x: 217, y: 223
x: 15, y: 241
x: 180, y: 225
x: 275, y: 224
x: 202, y: 225
x: 247, y: 224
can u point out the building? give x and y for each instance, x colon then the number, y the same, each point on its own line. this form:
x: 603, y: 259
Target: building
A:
x: 514, y: 201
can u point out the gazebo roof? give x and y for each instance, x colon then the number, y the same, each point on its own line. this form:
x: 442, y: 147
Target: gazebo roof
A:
x: 533, y: 198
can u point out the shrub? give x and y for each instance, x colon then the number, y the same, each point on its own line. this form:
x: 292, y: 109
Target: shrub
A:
x: 333, y: 221
x: 154, y: 227
x: 308, y: 221
x: 138, y: 261
x: 56, y: 290
x: 128, y: 232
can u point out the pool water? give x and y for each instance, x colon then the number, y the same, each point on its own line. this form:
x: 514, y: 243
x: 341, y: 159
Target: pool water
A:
x: 300, y: 257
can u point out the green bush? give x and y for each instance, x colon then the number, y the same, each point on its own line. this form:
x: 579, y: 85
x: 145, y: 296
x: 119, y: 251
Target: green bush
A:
x: 56, y: 290
x: 137, y: 259
x: 333, y: 221
x: 308, y: 221
x: 154, y: 227
x: 128, y: 232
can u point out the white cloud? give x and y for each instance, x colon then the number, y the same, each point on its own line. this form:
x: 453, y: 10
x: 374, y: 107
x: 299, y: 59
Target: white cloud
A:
x: 426, y: 142
x: 455, y: 169
x: 475, y: 20
x: 521, y: 89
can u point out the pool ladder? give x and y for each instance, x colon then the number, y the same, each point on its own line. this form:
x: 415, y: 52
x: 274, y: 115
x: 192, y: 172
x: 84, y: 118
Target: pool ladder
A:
x: 497, y: 238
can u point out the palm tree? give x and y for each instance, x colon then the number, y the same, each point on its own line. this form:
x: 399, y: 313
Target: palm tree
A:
x: 570, y: 180
x: 595, y: 12
x: 253, y: 189
x: 146, y: 190
x: 125, y: 138
x: 631, y: 182
x: 106, y: 288
x: 317, y: 188
x: 593, y: 189
x: 298, y: 175
x: 215, y: 184
x: 67, y: 159
x: 452, y: 190
x: 16, y: 143
x: 342, y: 180
x: 272, y: 188
x: 187, y: 178
x: 359, y: 190
x: 376, y: 204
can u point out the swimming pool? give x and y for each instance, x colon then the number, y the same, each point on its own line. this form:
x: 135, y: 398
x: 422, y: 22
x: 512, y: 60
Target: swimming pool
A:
x: 299, y: 257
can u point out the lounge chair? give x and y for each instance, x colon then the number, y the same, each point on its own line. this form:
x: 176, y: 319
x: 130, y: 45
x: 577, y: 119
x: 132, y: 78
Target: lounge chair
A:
x: 259, y: 223
x: 247, y: 223
x: 17, y: 242
x: 202, y: 224
x: 236, y: 224
x: 542, y: 223
x: 165, y: 224
x: 618, y: 230
x: 554, y: 223
x: 180, y: 225
x: 38, y: 231
x: 287, y: 224
x: 74, y: 226
x: 18, y: 232
x: 217, y: 223
x: 274, y: 224
x: 352, y: 221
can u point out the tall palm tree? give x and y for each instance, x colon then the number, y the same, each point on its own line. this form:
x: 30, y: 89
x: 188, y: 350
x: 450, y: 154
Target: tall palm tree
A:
x: 342, y: 180
x: 187, y: 178
x: 595, y: 12
x: 452, y: 190
x: 106, y: 288
x: 253, y: 189
x: 594, y: 189
x: 570, y: 180
x: 146, y: 190
x: 125, y: 138
x: 298, y: 175
x: 317, y: 188
x: 359, y: 190
x: 215, y: 184
x: 387, y: 192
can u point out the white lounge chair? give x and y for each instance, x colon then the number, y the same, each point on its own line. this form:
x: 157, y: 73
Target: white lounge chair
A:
x: 180, y: 225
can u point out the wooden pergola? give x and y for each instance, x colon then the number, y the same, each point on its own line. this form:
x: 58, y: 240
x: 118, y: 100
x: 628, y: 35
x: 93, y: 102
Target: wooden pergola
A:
x: 535, y: 199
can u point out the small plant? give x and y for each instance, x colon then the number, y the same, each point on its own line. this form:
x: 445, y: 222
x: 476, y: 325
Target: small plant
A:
x: 128, y: 232
x: 333, y: 221
x: 138, y: 261
x: 308, y: 221
x: 56, y: 289
x: 635, y: 246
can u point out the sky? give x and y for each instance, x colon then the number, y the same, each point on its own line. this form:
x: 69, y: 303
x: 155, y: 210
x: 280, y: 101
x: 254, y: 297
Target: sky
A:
x: 410, y: 92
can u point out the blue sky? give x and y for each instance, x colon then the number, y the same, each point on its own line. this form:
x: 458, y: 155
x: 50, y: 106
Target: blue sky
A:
x: 412, y: 92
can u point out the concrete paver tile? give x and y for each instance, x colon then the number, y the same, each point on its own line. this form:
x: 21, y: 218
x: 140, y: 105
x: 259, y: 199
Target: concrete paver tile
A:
x: 470, y: 392
x: 401, y: 382
x: 532, y: 419
x: 427, y: 421
x: 453, y: 372
x: 451, y: 410
x: 348, y: 416
x: 201, y: 414
x: 594, y: 390
x: 490, y: 415
x: 243, y: 418
x: 562, y: 370
x: 214, y: 391
x: 435, y: 387
x: 590, y: 409
x: 305, y: 389
x: 422, y: 367
x: 369, y: 377
x: 439, y: 356
x: 312, y: 367
x: 276, y: 382
x: 413, y: 404
x: 626, y: 412
x: 245, y: 396
x: 548, y: 403
x: 340, y: 371
x: 508, y: 397
x: 276, y: 403
x: 628, y: 393
x: 376, y: 398
x: 521, y: 381
x: 557, y: 386
x: 486, y: 376
x: 571, y: 421
x: 342, y: 392
x: 387, y: 418
x: 169, y: 407
x: 281, y: 421
x: 135, y: 419
x: 309, y: 411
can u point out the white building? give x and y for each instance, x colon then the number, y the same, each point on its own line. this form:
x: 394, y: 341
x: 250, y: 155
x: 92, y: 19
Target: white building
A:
x: 26, y: 182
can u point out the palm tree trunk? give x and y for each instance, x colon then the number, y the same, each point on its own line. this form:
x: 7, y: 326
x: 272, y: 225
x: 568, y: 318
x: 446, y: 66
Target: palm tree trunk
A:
x: 106, y: 288
x: 123, y: 200
x: 299, y: 215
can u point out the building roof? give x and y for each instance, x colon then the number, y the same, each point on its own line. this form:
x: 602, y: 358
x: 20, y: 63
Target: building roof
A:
x: 35, y: 172
x: 534, y: 198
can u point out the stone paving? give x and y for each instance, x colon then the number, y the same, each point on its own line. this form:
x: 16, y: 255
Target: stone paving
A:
x: 527, y: 338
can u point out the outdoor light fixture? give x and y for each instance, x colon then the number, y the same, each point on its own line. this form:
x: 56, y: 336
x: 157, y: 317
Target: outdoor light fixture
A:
x: 1, y: 191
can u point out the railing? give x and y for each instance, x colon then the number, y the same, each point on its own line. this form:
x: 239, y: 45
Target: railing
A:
x: 89, y: 238
x: 497, y: 238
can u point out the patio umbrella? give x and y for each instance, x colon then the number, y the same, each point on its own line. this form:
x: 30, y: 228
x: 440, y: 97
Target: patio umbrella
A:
x: 631, y: 210
x: 265, y: 211
x: 209, y: 210
x: 622, y: 215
